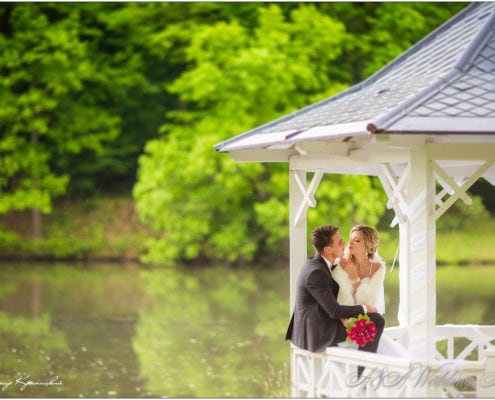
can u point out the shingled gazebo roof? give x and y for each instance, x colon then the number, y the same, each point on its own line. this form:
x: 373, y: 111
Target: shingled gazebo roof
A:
x: 443, y: 84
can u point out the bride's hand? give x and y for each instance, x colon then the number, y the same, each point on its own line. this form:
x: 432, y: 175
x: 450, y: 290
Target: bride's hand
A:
x: 344, y: 321
x: 349, y: 267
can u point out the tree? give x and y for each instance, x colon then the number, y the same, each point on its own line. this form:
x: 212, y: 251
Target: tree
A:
x: 54, y: 88
x: 238, y: 76
x: 129, y: 86
x: 202, y: 204
x: 134, y: 31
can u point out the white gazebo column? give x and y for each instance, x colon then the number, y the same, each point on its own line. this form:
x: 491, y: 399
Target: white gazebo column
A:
x: 298, y: 249
x: 418, y: 265
x: 298, y: 229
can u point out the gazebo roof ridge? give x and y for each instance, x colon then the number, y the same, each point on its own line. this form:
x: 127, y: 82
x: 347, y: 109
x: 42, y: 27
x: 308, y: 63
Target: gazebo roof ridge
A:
x: 416, y: 47
x: 464, y: 62
x: 434, y: 87
x: 474, y: 48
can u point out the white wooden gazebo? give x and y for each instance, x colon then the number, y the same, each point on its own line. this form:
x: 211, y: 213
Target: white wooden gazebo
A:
x: 425, y: 125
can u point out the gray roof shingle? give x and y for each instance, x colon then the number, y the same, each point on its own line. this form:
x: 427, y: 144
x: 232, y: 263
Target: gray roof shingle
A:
x: 444, y: 83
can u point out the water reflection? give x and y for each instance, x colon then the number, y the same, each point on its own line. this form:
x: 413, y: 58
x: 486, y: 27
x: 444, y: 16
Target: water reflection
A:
x: 121, y: 331
x: 216, y: 334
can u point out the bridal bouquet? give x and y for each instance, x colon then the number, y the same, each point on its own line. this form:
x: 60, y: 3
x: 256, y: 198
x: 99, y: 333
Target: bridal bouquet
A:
x: 360, y: 329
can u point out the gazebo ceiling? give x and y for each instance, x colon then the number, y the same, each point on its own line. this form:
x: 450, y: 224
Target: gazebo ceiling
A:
x: 444, y: 87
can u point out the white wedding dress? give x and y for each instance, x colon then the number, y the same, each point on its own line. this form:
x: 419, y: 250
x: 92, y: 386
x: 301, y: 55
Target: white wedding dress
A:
x: 370, y: 291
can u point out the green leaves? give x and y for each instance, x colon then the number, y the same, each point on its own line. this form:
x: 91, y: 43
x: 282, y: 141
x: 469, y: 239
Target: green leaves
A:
x: 51, y: 100
x: 84, y: 88
x: 200, y: 203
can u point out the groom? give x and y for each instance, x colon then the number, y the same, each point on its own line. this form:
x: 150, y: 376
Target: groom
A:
x: 315, y: 323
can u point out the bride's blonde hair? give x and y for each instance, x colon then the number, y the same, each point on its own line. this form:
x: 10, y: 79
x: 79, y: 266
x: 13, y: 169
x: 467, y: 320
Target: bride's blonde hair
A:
x: 370, y: 238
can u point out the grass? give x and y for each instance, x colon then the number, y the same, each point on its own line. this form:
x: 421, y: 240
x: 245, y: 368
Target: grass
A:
x: 469, y: 247
x: 457, y: 247
x: 464, y: 295
x: 464, y: 236
x: 108, y: 228
x: 96, y: 229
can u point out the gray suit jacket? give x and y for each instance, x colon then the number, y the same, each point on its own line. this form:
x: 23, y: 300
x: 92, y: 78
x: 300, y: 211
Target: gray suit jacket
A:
x: 315, y: 322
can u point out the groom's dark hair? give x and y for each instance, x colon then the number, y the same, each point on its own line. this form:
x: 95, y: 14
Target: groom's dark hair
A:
x: 322, y: 237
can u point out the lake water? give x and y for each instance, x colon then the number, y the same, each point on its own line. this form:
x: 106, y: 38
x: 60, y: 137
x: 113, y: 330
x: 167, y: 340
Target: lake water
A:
x: 123, y: 331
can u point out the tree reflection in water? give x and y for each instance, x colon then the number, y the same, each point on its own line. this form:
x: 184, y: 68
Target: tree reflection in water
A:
x: 124, y: 331
x: 218, y: 333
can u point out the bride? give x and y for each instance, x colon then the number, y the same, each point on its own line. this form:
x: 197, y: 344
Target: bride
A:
x: 360, y: 275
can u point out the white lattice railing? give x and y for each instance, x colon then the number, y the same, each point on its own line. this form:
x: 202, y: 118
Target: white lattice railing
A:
x: 465, y: 356
x: 464, y: 367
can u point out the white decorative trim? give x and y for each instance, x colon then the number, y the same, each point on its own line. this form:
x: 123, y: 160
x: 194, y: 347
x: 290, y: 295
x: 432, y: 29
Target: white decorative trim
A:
x: 455, y: 189
x: 308, y: 194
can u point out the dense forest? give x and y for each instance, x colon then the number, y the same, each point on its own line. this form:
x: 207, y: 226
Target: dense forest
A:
x: 108, y: 100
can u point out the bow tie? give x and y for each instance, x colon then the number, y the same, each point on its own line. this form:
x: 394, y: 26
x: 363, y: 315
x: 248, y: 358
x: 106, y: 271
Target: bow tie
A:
x: 333, y: 267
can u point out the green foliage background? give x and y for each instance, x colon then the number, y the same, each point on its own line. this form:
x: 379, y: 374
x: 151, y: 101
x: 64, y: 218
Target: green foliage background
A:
x: 109, y: 99
x: 239, y: 77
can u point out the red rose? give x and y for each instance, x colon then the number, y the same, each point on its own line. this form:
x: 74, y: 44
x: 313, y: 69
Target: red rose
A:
x: 361, y: 330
